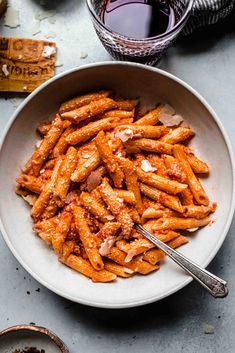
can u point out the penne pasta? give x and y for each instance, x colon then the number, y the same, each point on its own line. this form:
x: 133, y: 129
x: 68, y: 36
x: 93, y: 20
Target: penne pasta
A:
x: 180, y: 223
x: 50, y: 210
x: 196, y: 164
x: 45, y: 175
x: 81, y: 265
x: 177, y: 135
x: 63, y: 180
x: 46, y: 228
x: 50, y: 164
x: 186, y: 197
x: 125, y: 195
x: 152, y: 212
x: 159, y: 182
x: 120, y: 271
x: 82, y: 100
x: 126, y: 222
x: 95, y: 207
x: 44, y: 127
x: 61, y: 231
x: 88, y: 111
x: 118, y: 114
x: 86, y: 165
x: 108, y: 230
x: 174, y: 168
x: 68, y: 248
x: 62, y: 145
x: 154, y: 256
x: 135, y: 265
x: 176, y: 171
x: 150, y: 132
x: 175, y: 243
x: 30, y: 182
x: 134, y: 214
x: 148, y: 145
x: 35, y: 163
x: 132, y: 182
x: 97, y: 172
x: 46, y: 194
x: 136, y: 247
x: 127, y: 104
x: 198, y: 212
x: 116, y: 207
x: 87, y: 238
x: 157, y: 162
x: 170, y: 201
x: 164, y: 235
x: 194, y: 184
x: 103, y: 276
x: 151, y: 118
x: 84, y: 133
x: 109, y: 159
x: 120, y: 121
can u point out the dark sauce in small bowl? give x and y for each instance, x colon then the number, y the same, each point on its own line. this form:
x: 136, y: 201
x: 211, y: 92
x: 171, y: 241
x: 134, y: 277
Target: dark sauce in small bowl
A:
x: 29, y: 350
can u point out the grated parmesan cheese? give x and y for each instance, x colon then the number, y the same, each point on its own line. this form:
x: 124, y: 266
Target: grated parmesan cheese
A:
x: 12, y: 18
x: 167, y: 109
x: 146, y: 166
x: 35, y: 28
x: 38, y: 143
x: 106, y: 246
x: 128, y: 270
x: 5, y: 70
x: 30, y: 199
x: 131, y: 253
x: 94, y: 180
x: 83, y: 55
x: 168, y: 117
x: 50, y: 35
x: 43, y: 15
x: 48, y: 51
x: 192, y: 229
x: 109, y: 217
x: 124, y: 135
x: 59, y: 61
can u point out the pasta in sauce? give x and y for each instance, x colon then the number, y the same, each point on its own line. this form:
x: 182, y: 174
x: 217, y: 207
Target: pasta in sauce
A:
x: 100, y: 168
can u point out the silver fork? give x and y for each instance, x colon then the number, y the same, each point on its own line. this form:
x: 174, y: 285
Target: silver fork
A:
x: 213, y: 284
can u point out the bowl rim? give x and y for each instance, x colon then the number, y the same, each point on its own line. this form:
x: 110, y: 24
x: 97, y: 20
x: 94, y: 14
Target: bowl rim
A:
x: 57, y: 341
x: 212, y: 254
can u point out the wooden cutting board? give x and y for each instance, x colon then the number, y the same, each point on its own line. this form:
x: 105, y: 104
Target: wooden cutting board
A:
x: 25, y: 63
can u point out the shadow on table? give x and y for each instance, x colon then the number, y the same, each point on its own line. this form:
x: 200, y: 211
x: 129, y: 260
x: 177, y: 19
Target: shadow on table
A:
x: 13, y: 95
x: 191, y: 301
x: 205, y: 38
x: 56, y: 4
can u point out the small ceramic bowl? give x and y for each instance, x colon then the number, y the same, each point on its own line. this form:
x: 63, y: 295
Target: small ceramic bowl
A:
x: 18, y: 337
x: 128, y: 80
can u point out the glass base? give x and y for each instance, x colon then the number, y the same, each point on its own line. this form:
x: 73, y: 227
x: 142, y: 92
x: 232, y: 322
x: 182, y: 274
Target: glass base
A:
x: 151, y: 59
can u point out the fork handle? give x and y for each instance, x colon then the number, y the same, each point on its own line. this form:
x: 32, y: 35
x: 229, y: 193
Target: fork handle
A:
x: 213, y: 284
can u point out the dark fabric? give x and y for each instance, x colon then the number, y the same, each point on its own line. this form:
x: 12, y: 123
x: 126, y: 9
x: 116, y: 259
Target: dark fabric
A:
x: 206, y: 12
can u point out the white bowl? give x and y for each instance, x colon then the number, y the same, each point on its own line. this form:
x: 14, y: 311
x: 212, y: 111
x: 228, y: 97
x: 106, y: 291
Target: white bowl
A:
x: 129, y: 80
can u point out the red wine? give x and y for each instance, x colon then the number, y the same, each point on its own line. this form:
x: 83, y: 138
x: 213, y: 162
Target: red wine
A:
x: 138, y: 19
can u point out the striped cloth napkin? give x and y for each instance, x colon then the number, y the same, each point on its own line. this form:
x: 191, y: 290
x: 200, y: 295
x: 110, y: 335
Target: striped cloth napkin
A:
x: 206, y: 12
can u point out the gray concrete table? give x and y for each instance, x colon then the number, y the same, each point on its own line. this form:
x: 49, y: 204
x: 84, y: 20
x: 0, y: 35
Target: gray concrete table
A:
x: 177, y: 324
